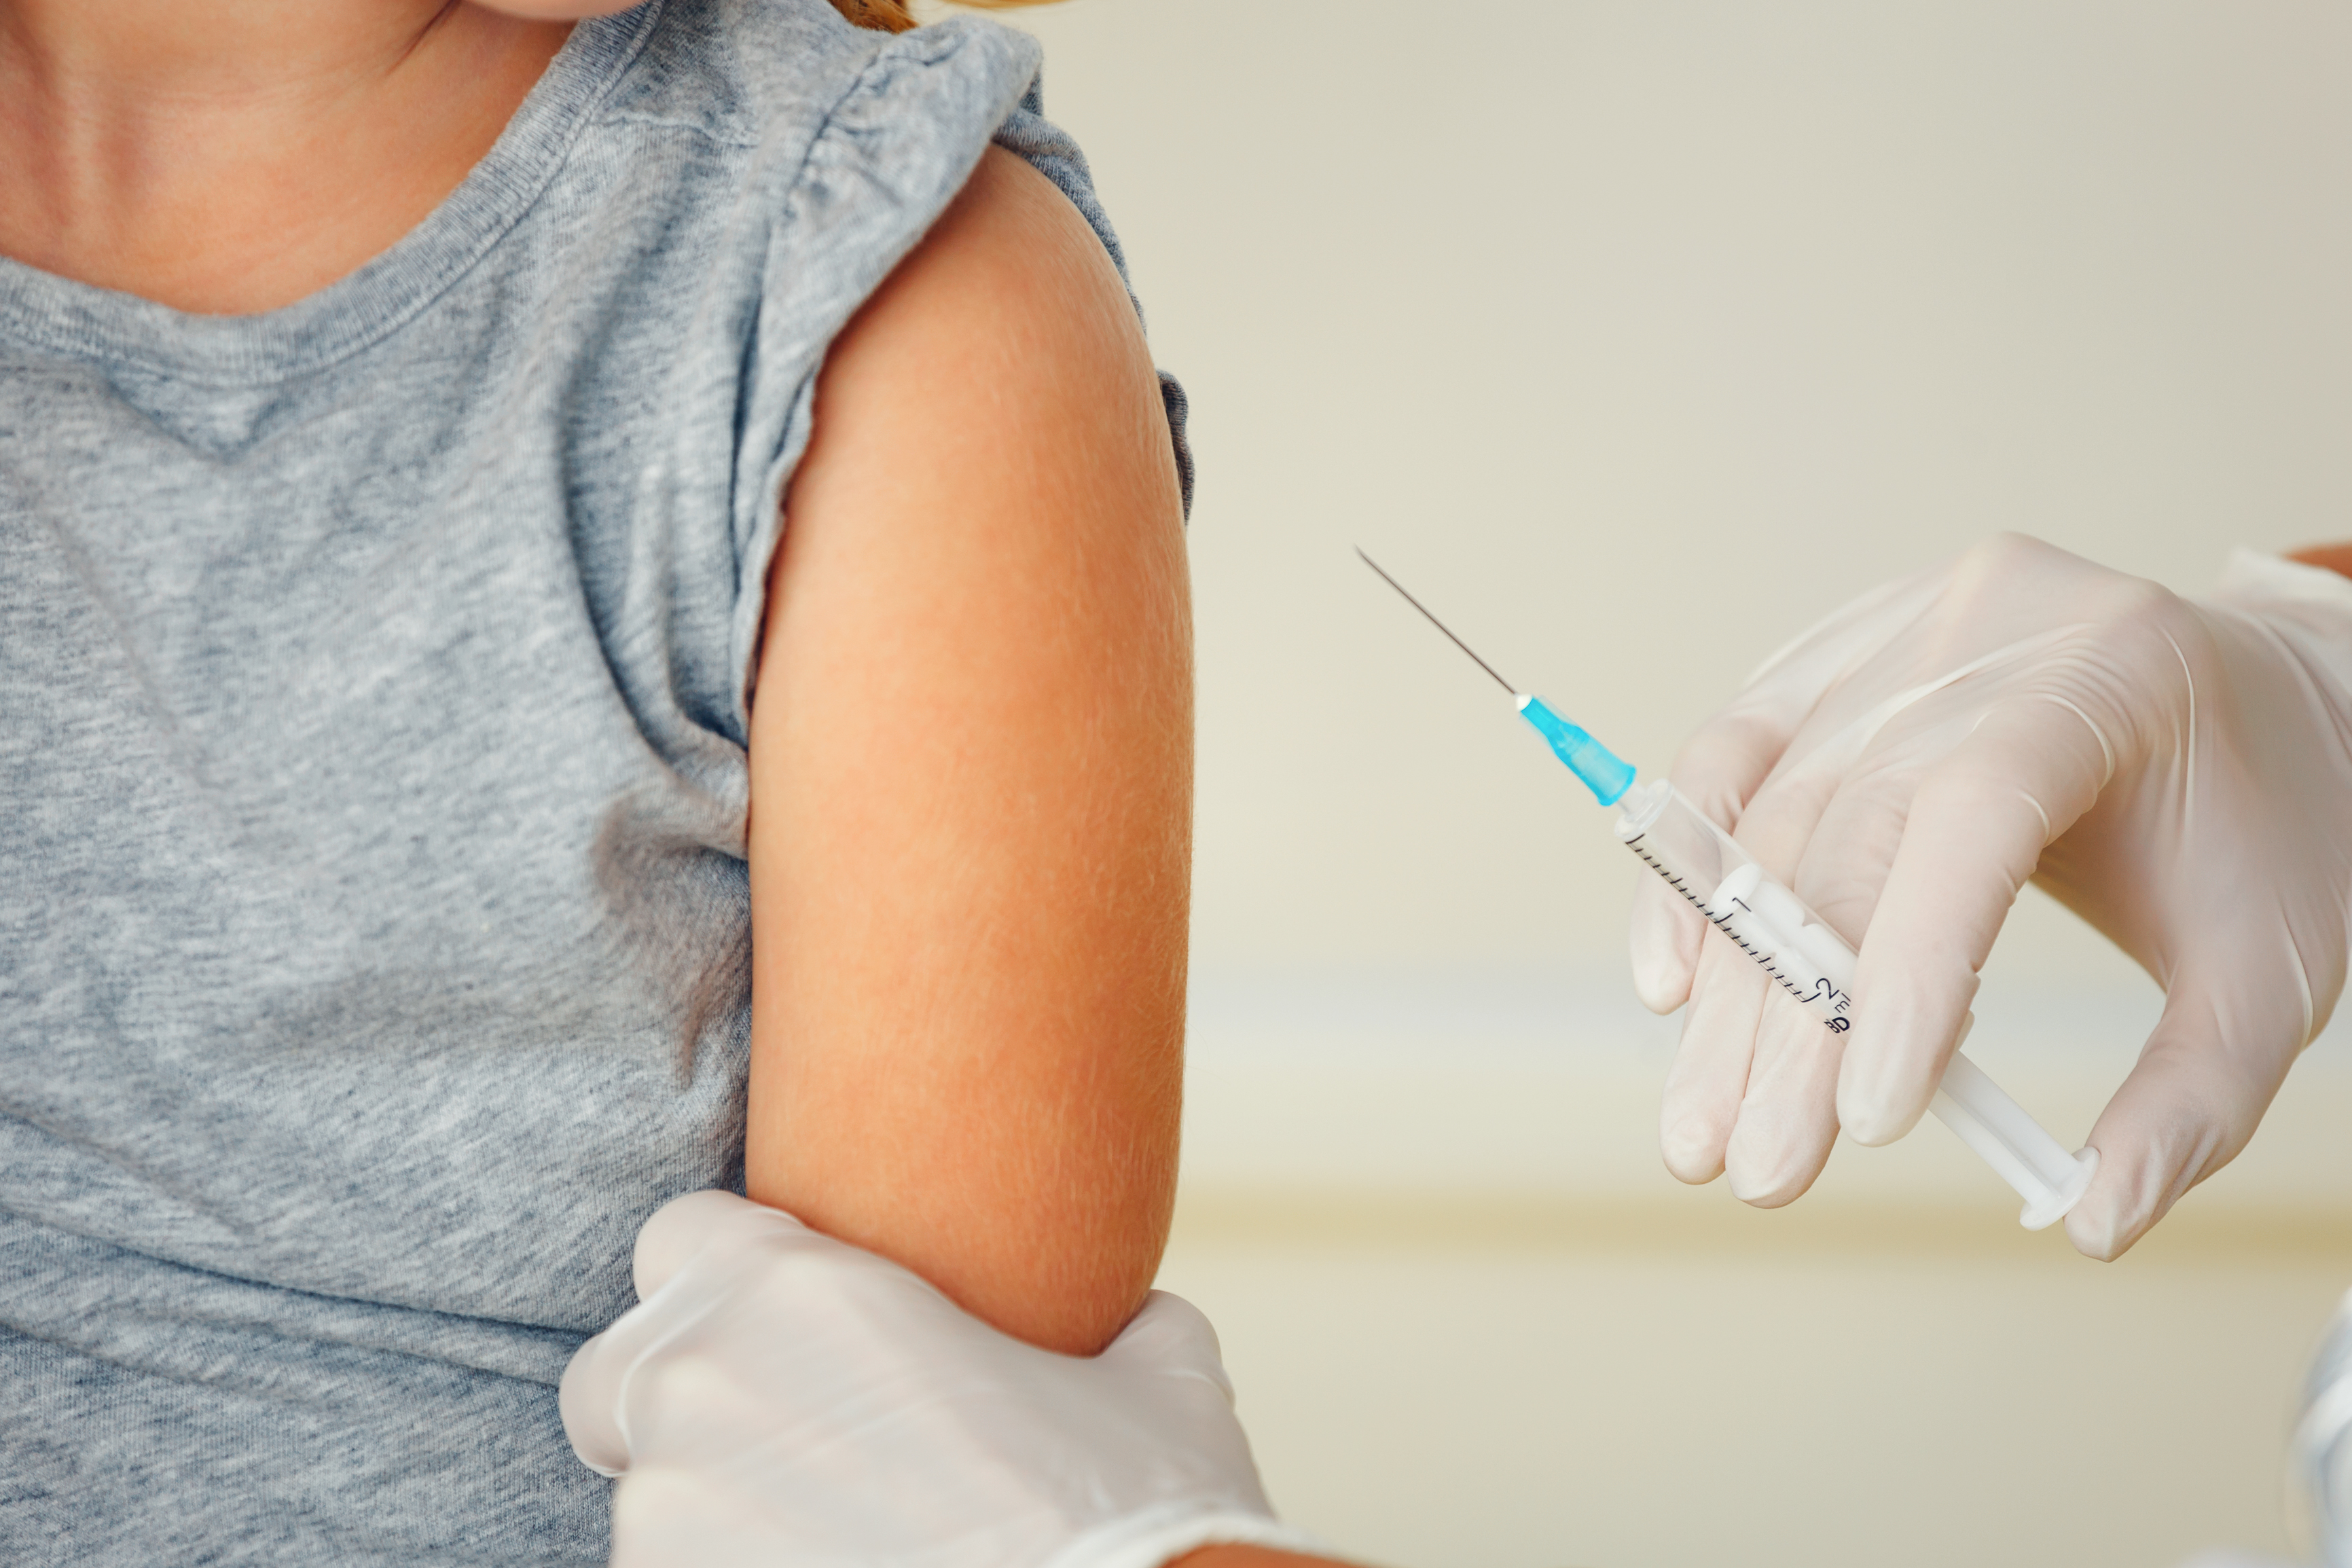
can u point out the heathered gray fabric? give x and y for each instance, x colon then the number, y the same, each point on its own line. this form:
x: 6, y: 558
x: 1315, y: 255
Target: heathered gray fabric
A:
x: 373, y: 703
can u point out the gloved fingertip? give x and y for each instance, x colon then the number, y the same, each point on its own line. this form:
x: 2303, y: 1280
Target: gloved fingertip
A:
x: 1664, y: 954
x: 1693, y: 1148
x: 1763, y: 1192
x: 1764, y: 1176
x: 1662, y: 987
x: 1876, y: 1121
x: 1170, y: 1336
x: 586, y: 1398
x: 1166, y: 1320
x: 2105, y: 1223
x: 2095, y: 1236
x: 1882, y: 1090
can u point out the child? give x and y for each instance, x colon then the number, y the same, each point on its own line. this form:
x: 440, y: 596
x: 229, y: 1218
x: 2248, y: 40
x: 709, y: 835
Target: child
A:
x: 586, y: 611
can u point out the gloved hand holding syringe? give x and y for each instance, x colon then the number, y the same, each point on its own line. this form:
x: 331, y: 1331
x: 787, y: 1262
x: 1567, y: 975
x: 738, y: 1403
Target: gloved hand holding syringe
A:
x: 1797, y: 947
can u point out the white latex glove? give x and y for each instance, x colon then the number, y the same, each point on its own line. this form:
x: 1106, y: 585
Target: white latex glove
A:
x: 2176, y: 771
x: 779, y: 1396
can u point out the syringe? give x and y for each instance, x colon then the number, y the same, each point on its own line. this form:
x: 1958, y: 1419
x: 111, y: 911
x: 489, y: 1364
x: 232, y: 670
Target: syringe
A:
x: 1804, y: 956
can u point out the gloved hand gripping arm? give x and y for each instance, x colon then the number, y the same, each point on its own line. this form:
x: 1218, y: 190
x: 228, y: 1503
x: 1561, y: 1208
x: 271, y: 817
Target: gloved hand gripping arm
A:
x: 2177, y: 771
x: 779, y: 1396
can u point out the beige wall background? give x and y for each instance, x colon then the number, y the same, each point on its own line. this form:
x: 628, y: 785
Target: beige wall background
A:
x: 1636, y: 335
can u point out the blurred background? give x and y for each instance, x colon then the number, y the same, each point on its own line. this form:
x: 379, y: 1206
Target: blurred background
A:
x: 1634, y: 338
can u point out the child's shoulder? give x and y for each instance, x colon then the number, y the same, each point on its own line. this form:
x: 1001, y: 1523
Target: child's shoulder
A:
x: 752, y: 73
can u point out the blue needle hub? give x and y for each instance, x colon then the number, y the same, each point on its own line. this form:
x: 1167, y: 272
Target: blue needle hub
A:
x: 1605, y: 773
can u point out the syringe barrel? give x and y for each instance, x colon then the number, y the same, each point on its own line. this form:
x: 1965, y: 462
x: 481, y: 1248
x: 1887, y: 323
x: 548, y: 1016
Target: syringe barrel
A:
x: 1772, y: 925
x: 1809, y: 960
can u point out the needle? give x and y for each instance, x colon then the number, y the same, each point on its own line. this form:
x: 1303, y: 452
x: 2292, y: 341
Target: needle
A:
x: 1433, y: 621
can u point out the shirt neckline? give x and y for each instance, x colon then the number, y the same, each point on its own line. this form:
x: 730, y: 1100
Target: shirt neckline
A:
x: 372, y: 301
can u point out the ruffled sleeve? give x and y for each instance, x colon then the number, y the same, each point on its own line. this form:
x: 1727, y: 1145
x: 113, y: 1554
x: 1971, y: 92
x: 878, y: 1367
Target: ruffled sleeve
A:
x: 892, y: 152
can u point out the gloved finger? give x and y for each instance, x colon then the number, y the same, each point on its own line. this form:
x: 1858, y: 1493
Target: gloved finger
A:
x: 1666, y: 929
x: 1830, y: 836
x: 1710, y: 1074
x: 1722, y: 767
x: 1718, y: 769
x: 686, y: 1224
x: 1786, y: 1116
x: 1788, y: 1119
x: 2190, y: 1106
x: 588, y: 1396
x: 1718, y: 772
x: 588, y: 1400
x: 1976, y: 827
x: 1172, y: 1338
x: 597, y: 1379
x: 1855, y: 839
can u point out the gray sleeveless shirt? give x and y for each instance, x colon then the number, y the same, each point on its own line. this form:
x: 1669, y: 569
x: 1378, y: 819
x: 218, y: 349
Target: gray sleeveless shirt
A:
x: 373, y: 943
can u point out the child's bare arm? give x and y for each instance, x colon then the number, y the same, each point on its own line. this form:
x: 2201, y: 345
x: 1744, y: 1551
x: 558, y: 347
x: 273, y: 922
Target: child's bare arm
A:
x: 971, y: 784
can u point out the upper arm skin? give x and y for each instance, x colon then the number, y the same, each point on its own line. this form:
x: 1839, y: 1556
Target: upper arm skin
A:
x: 971, y: 767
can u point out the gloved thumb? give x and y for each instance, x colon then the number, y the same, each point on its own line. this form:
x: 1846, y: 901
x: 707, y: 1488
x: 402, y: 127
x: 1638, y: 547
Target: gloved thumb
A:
x: 2202, y: 1082
x: 1170, y: 1337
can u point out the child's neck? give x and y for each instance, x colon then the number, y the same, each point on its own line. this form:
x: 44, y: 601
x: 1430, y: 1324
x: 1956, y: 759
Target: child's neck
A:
x: 234, y: 155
